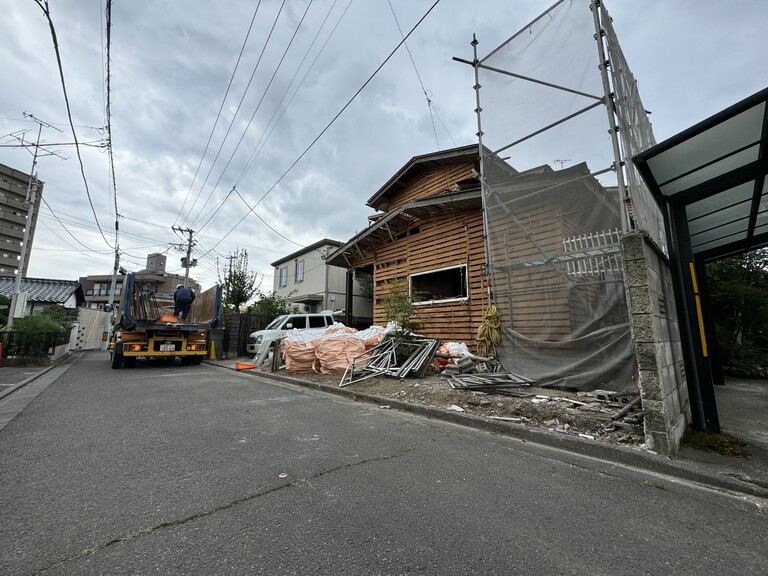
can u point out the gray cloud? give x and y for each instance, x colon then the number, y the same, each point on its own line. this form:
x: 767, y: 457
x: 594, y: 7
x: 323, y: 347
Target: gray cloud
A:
x: 171, y: 62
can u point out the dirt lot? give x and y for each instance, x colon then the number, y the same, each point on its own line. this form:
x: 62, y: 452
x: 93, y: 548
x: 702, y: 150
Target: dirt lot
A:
x: 576, y: 413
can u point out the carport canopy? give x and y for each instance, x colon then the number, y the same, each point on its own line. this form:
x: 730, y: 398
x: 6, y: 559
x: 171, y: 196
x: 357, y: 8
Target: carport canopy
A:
x: 716, y: 171
x: 710, y: 183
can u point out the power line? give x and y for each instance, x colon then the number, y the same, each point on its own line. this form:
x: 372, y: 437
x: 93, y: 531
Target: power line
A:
x: 253, y: 211
x: 258, y: 106
x: 93, y: 144
x: 336, y: 117
x: 218, y: 208
x: 43, y: 4
x: 265, y: 135
x: 265, y: 138
x: 88, y: 225
x: 218, y: 114
x: 237, y: 110
x: 423, y: 89
x: 65, y: 228
x: 99, y: 129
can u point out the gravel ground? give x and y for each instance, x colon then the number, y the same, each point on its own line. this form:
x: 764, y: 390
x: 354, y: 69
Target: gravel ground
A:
x: 575, y: 413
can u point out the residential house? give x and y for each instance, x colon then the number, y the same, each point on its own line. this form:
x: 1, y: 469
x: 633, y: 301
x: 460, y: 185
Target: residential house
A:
x: 97, y: 289
x: 43, y: 292
x: 306, y: 280
x: 427, y: 233
x: 153, y: 277
x: 552, y: 247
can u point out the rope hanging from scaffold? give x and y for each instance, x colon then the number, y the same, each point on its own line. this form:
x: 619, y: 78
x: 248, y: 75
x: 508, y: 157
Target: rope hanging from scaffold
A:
x: 489, y: 333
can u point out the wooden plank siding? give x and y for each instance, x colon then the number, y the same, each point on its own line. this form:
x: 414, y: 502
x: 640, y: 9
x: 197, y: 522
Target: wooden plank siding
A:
x: 443, y: 240
x: 430, y: 182
x: 536, y: 301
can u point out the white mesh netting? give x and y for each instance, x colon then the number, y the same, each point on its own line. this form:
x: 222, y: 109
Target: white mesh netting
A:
x: 553, y: 209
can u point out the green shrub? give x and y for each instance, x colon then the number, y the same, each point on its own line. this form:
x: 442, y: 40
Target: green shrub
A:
x: 36, y: 333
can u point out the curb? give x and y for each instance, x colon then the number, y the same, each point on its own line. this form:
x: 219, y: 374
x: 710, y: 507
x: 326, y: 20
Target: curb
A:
x: 610, y: 452
x: 19, y: 385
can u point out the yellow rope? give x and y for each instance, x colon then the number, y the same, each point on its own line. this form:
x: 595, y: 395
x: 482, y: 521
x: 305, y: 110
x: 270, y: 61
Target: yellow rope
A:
x: 489, y: 334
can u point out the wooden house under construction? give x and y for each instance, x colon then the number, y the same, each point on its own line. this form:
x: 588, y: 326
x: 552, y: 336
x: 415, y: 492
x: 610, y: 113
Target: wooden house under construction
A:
x: 428, y: 233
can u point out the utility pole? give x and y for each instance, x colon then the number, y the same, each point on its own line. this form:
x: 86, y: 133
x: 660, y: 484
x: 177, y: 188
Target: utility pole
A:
x: 30, y: 201
x: 187, y: 262
x: 112, y: 316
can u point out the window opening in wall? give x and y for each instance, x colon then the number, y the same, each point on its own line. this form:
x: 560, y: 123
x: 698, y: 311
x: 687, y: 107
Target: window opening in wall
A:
x: 283, y: 276
x: 300, y: 270
x: 442, y: 285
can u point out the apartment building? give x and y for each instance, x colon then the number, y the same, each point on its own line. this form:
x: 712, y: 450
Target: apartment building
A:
x: 13, y: 218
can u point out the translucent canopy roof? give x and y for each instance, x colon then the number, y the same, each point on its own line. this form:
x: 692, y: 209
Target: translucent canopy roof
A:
x: 716, y: 172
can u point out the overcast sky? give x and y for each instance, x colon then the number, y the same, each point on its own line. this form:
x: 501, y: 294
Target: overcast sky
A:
x: 171, y: 63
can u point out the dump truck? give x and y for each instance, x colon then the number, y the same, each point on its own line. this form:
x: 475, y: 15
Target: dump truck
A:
x: 145, y: 326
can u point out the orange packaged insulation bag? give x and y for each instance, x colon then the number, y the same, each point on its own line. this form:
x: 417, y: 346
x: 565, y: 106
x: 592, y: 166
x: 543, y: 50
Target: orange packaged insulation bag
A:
x: 335, y: 354
x: 299, y: 357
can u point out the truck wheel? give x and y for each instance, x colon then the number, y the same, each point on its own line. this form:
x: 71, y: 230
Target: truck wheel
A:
x: 197, y: 360
x: 186, y: 360
x: 117, y: 356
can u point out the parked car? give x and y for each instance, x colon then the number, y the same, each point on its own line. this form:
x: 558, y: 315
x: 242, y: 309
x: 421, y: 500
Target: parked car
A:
x: 263, y: 340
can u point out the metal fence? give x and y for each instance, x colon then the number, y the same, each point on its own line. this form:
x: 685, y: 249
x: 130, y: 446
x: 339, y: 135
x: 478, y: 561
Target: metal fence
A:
x: 237, y: 328
x: 34, y: 344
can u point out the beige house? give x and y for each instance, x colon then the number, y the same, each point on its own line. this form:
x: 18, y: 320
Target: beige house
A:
x: 311, y: 285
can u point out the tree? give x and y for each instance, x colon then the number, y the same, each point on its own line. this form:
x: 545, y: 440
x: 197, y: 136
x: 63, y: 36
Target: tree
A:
x: 738, y: 291
x: 365, y: 281
x: 399, y: 308
x: 5, y: 306
x: 239, y: 284
x: 270, y: 304
x: 35, y: 331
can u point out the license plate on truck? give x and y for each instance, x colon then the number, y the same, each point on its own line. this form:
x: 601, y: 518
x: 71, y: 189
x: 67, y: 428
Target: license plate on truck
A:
x: 167, y: 347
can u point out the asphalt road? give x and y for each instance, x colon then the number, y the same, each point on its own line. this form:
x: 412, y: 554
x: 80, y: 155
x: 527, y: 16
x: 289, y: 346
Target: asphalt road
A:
x: 200, y: 470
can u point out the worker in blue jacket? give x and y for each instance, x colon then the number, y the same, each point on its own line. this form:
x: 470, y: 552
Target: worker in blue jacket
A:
x: 182, y: 301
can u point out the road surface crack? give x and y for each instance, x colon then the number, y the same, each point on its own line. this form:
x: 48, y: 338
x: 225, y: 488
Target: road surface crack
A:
x: 228, y: 506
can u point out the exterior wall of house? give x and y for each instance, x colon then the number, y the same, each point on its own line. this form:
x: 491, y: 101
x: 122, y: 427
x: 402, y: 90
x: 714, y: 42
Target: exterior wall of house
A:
x: 324, y: 285
x: 337, y: 287
x: 96, y: 289
x: 655, y: 330
x: 37, y: 307
x: 524, y: 309
x: 442, y: 241
x: 429, y: 182
x: 313, y: 281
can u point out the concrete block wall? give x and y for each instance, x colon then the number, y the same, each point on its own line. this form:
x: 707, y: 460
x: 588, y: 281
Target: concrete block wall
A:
x: 88, y: 331
x: 656, y: 334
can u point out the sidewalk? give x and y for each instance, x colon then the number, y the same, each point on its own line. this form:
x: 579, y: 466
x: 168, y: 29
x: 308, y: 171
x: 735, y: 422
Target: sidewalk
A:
x: 11, y: 377
x: 747, y: 476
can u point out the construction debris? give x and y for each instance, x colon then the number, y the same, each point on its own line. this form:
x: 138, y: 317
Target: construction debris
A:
x: 382, y: 360
x: 491, y: 383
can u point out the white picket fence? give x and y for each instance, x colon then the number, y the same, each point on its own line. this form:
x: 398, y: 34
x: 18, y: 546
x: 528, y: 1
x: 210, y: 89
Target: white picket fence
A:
x: 593, y: 254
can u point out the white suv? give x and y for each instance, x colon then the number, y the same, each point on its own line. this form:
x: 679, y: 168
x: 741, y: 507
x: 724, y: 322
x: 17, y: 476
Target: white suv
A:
x: 263, y: 340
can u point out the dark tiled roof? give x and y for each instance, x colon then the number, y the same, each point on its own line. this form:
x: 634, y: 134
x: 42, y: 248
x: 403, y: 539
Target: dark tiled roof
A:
x: 44, y: 290
x: 315, y: 246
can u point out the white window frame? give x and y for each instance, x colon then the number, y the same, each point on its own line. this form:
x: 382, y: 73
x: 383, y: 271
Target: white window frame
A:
x: 299, y: 270
x: 282, y: 277
x: 428, y: 302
